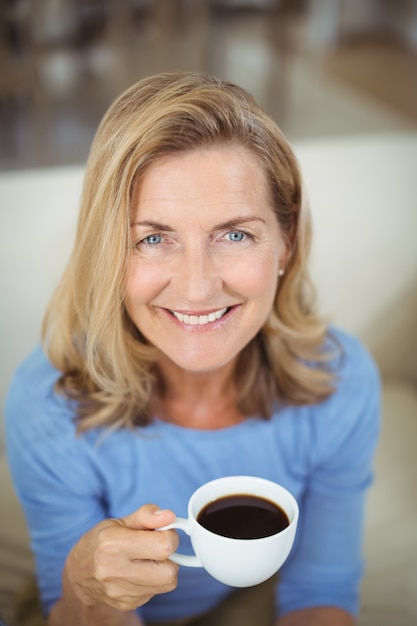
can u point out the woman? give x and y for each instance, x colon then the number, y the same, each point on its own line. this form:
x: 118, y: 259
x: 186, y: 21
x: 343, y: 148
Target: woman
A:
x: 182, y: 345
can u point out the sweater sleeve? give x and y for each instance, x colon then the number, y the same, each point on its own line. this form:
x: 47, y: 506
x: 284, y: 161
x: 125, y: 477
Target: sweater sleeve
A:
x: 52, y: 471
x: 326, y: 566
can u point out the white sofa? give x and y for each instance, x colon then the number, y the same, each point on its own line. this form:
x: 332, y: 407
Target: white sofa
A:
x: 363, y: 192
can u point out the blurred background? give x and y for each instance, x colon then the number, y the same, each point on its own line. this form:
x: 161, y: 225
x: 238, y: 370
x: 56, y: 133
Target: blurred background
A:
x: 319, y: 67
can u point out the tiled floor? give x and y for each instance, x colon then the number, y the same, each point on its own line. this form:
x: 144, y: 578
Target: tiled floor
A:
x: 311, y: 91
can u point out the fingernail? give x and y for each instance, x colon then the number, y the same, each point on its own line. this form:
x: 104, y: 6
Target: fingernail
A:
x: 159, y: 511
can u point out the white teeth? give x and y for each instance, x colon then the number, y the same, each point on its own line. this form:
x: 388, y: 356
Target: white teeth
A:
x: 199, y: 320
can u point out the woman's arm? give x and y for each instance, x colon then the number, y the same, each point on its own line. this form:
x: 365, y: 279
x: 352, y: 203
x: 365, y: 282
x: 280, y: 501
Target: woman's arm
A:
x: 317, y: 616
x: 69, y: 611
x: 116, y: 567
x: 340, y: 437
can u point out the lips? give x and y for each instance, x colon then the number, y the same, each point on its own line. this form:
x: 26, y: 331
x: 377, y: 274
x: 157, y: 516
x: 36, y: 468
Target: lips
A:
x: 199, y: 320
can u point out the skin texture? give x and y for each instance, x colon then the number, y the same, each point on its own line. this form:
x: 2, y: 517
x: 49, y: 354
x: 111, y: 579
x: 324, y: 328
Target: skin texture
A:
x: 117, y: 566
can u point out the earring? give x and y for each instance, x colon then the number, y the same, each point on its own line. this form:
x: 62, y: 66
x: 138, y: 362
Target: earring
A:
x: 281, y: 272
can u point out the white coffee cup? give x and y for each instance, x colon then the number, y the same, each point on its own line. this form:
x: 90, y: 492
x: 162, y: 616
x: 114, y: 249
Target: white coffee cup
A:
x: 237, y: 562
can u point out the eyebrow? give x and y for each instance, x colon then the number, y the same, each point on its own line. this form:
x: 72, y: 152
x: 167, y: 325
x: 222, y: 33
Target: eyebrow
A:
x: 229, y: 224
x: 151, y: 224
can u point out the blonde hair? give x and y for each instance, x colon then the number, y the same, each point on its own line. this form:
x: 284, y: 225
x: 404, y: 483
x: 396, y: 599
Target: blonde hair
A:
x: 106, y: 365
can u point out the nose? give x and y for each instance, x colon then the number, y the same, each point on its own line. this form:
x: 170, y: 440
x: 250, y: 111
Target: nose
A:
x: 197, y: 277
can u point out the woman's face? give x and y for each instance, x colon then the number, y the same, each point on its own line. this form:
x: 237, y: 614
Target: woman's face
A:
x: 203, y: 276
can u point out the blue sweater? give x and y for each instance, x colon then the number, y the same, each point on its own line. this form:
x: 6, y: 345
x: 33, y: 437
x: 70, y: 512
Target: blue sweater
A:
x: 323, y: 454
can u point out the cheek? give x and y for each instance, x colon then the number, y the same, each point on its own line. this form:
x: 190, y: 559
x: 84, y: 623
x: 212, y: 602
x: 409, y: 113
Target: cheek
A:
x: 142, y: 283
x: 257, y: 277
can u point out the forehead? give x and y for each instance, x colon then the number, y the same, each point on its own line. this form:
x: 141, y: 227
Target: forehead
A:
x: 212, y: 176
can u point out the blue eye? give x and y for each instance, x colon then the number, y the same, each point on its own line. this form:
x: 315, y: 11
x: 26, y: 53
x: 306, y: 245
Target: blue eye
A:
x: 150, y: 241
x: 153, y: 239
x: 236, y: 235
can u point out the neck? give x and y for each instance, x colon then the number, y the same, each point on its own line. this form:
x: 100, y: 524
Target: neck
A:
x: 205, y: 400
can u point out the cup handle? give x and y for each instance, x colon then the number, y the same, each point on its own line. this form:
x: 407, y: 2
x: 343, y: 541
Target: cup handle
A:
x: 182, y: 559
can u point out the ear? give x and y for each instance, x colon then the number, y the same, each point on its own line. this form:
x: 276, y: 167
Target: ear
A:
x: 285, y: 254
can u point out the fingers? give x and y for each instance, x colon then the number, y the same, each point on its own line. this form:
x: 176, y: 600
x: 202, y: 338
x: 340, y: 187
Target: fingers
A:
x: 148, y: 517
x: 124, y: 562
x: 120, y: 544
x: 155, y: 576
x: 144, y: 545
x: 133, y: 565
x: 141, y: 580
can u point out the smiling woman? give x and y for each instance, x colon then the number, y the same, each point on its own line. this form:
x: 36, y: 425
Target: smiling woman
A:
x: 154, y: 130
x: 201, y: 288
x: 182, y: 344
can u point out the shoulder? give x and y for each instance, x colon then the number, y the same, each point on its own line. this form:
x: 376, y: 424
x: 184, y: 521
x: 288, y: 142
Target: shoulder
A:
x: 35, y: 374
x: 352, y: 412
x: 32, y: 403
x: 350, y: 360
x: 45, y: 453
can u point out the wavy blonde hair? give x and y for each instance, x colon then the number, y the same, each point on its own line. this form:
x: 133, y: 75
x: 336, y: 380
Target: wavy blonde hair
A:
x: 107, y: 366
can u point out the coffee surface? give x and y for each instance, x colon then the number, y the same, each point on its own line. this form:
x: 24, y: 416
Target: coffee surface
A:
x: 243, y: 516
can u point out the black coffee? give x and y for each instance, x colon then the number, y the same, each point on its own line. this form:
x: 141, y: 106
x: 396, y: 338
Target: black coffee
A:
x: 243, y: 516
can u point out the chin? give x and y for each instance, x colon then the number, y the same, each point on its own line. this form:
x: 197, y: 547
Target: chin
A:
x: 201, y: 364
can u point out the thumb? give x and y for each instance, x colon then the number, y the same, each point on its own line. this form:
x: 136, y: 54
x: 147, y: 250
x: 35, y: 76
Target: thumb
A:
x: 148, y: 517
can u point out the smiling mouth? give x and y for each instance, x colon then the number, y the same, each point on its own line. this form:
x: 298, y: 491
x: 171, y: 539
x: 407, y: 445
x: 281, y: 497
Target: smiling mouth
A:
x: 200, y: 320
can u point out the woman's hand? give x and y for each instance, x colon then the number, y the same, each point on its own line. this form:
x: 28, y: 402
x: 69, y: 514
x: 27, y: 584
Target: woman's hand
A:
x: 122, y: 563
